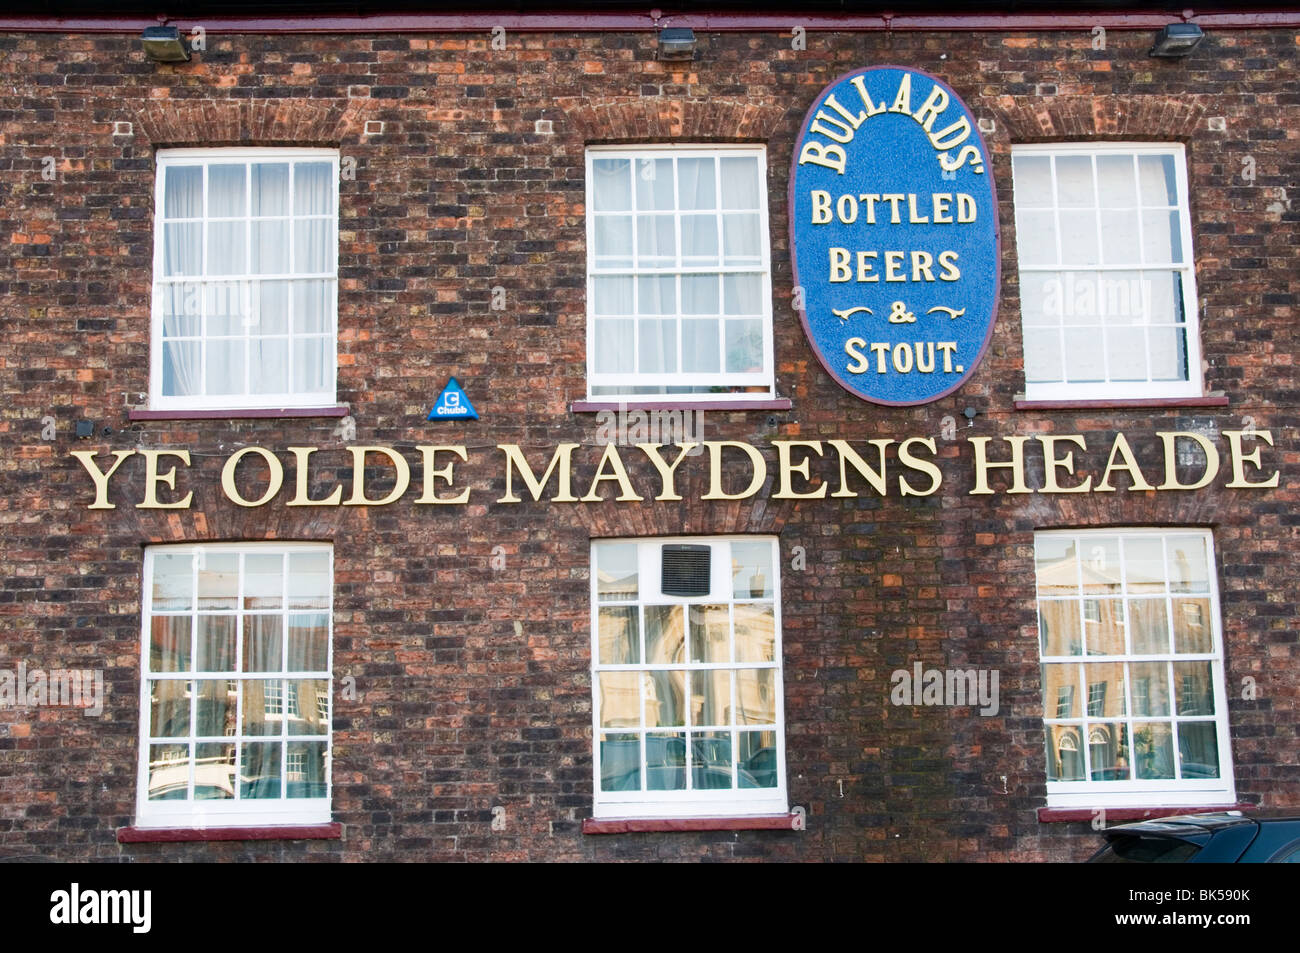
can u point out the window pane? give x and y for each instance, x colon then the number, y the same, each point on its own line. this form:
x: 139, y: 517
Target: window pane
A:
x: 700, y: 348
x: 313, y: 188
x: 1100, y: 564
x: 757, y: 757
x: 270, y: 248
x: 740, y: 185
x: 169, y: 772
x: 183, y: 191
x: 710, y: 697
x: 307, y: 706
x: 1192, y: 682
x: 613, y: 241
x: 218, y: 580
x: 1065, y: 753
x: 696, y: 187
x: 1059, y: 631
x: 656, y: 241
x: 751, y: 570
x: 1061, y: 691
x: 1153, y: 750
x: 312, y: 245
x: 312, y: 360
x: 1144, y: 563
x: 270, y: 188
x: 699, y: 240
x: 263, y: 706
x: 1192, y: 632
x: 309, y: 583
x: 1150, y: 621
x: 1159, y: 185
x: 262, y: 643
x: 1150, y: 688
x: 1162, y: 242
x: 169, y: 708
x: 614, y: 346
x: 182, y: 249
x: 1079, y: 231
x: 268, y: 310
x: 665, y: 698
x: 215, y: 708
x: 741, y: 238
x: 313, y: 305
x: 308, y: 642
x: 1036, y: 238
x: 742, y: 294
x: 305, y: 773
x: 1103, y: 626
x: 227, y: 197
x: 260, y: 771
x: 613, y: 295
x: 269, y: 370
x: 656, y: 295
x: 1169, y: 353
x: 620, y: 762
x: 1033, y: 181
x: 654, y: 184
x: 755, y: 633
x: 658, y: 347
x: 173, y: 582
x: 1105, y: 689
x: 744, y: 346
x: 1074, y: 185
x: 620, y: 699
x: 1056, y: 565
x: 756, y: 696
x: 616, y: 573
x: 612, y: 185
x: 711, y: 760
x: 710, y: 634
x: 619, y: 635
x: 216, y: 638
x: 214, y: 772
x: 1128, y: 354
x: 665, y: 756
x: 1198, y: 748
x: 1107, y: 744
x: 1117, y: 184
x: 227, y: 248
x: 1188, y: 570
x: 1119, y: 238
x: 1041, y: 301
x: 1043, y: 359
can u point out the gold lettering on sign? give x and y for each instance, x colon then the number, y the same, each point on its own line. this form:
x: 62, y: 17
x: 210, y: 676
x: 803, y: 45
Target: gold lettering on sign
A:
x: 301, y: 457
x: 428, y: 454
x: 99, y: 477
x: 757, y: 463
x: 272, y: 486
x: 561, y: 459
x: 358, y: 497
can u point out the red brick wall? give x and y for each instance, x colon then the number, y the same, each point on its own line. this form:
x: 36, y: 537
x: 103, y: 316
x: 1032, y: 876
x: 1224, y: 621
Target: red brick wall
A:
x: 474, y: 683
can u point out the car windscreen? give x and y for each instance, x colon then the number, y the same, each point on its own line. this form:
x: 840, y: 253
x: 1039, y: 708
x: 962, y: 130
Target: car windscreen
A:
x: 1145, y: 850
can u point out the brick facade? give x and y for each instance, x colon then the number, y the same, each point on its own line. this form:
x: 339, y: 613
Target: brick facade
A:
x: 474, y: 682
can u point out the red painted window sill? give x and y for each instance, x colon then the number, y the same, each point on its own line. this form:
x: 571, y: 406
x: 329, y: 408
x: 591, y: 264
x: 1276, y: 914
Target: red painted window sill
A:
x: 1103, y: 404
x: 150, y: 835
x: 238, y: 413
x: 649, y: 825
x: 1054, y: 815
x: 595, y: 406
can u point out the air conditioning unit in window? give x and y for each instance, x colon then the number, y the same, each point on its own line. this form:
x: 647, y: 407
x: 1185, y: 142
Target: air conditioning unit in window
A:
x: 685, y: 570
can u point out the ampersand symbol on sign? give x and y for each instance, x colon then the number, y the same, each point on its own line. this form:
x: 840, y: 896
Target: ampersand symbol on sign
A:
x: 898, y: 314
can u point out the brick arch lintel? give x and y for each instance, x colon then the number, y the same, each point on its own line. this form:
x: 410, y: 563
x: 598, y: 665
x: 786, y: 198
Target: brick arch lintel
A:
x: 1078, y: 117
x: 643, y: 119
x: 256, y: 122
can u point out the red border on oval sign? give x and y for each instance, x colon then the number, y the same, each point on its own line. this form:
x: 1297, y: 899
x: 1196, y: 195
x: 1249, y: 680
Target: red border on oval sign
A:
x: 997, y: 236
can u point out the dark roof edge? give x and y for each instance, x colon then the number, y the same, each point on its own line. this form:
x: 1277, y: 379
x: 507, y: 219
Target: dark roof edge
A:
x: 586, y: 21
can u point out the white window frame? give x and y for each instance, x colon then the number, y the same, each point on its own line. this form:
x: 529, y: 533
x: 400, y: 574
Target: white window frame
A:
x: 235, y: 811
x: 751, y: 386
x: 1123, y: 390
x: 1135, y: 792
x: 248, y: 401
x: 734, y: 802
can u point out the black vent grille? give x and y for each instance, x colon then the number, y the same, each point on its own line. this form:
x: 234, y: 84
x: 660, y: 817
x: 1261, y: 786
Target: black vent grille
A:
x: 685, y: 571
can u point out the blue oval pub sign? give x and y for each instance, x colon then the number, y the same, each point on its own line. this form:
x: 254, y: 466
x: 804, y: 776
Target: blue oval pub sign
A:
x: 894, y: 235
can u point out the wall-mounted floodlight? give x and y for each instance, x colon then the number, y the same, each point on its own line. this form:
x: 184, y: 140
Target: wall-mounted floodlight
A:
x: 676, y: 43
x: 1177, y: 39
x: 164, y: 44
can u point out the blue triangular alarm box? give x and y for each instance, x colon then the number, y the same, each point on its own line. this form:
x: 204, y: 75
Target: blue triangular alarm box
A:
x: 452, y: 404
